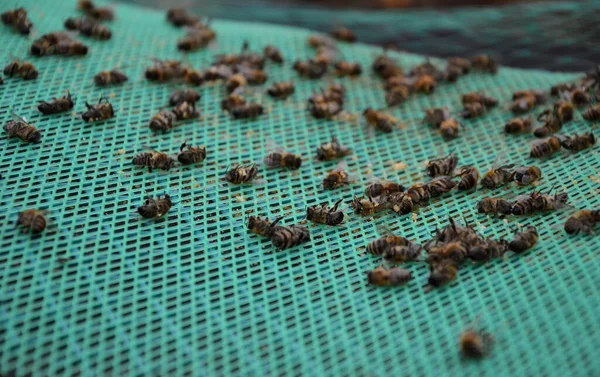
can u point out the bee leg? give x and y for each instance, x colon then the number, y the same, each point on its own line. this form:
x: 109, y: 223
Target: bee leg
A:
x: 335, y: 207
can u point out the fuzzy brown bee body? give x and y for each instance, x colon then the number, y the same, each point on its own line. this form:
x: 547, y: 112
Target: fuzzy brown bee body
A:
x: 494, y: 206
x: 582, y: 222
x: 564, y: 111
x: 155, y: 208
x: 462, y: 63
x: 473, y: 110
x: 191, y: 155
x: 343, y: 34
x: 324, y: 215
x: 526, y: 175
x: 46, y: 44
x: 236, y: 81
x: 241, y: 174
x: 18, y: 127
x: 247, y: 110
x: 25, y: 70
x: 316, y: 41
x: 162, y: 122
x: 17, y: 19
x: 397, y: 94
x: 253, y: 76
x: 545, y: 148
x: 579, y: 97
x: 525, y: 204
x: 285, y: 237
x: 419, y: 193
x: 366, y: 206
x: 338, y: 177
x: 165, y: 70
x: 100, y: 111
x: 89, y: 28
x: 524, y: 240
x: 280, y: 158
x: 344, y: 68
x: 185, y: 111
x: 449, y: 129
x: 592, y: 113
x: 196, y: 38
x: 436, y: 115
x: 232, y: 101
x: 392, y: 277
x: 70, y: 48
x: 180, y: 17
x: 442, y: 272
x: 469, y: 178
x: 281, y: 90
x: 382, y: 187
x: 332, y: 150
x: 153, y: 160
x: 260, y: 226
x: 552, y: 124
x: 486, y: 250
x: 273, y: 54
x: 58, y: 105
x: 497, y: 176
x: 518, y: 126
x: 484, y: 63
x: 523, y: 104
x: 310, y: 69
x: 380, y: 120
x: 478, y: 97
x: 442, y: 166
x: 32, y: 219
x: 190, y: 96
x: 440, y: 185
x: 322, y: 108
x: 556, y: 90
x: 403, y: 253
x: 577, y: 143
x: 401, y: 203
x: 475, y: 344
x: 452, y: 73
x: 425, y: 84
x: 112, y: 77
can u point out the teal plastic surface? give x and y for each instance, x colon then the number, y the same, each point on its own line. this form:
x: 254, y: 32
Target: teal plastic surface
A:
x: 193, y: 294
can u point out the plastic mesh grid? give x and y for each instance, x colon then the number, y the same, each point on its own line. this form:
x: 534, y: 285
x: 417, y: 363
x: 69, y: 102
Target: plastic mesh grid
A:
x: 192, y: 294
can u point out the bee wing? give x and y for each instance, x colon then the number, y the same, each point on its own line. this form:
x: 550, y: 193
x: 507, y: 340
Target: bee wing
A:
x: 145, y: 147
x: 499, y: 160
x: 272, y: 146
x: 17, y: 118
x: 383, y: 230
x: 342, y: 165
x: 373, y: 179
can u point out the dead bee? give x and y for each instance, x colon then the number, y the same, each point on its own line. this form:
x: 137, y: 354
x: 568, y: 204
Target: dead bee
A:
x: 402, y: 203
x: 85, y: 5
x: 24, y: 69
x: 253, y: 76
x: 17, y: 19
x: 473, y: 110
x: 91, y: 10
x: 403, y: 253
x: 100, y: 111
x: 281, y: 90
x: 494, y: 206
x: 539, y: 96
x: 427, y: 69
x: 449, y: 129
x: 112, y: 77
x: 486, y: 250
x: 442, y: 272
x: 440, y: 185
x: 191, y: 155
x: 89, y: 28
x: 163, y: 121
x: 547, y: 202
x: 343, y: 34
x: 155, y: 208
x: 165, y: 70
x: 524, y: 240
x: 475, y: 344
x: 385, y: 67
x: 247, y: 110
x: 478, y: 97
x: 557, y: 89
x: 184, y: 95
x: 399, y: 80
x: 380, y: 120
x: 525, y: 204
x: 578, y: 143
x: 45, y: 45
x: 241, y: 174
x: 582, y: 222
x: 181, y: 17
x: 425, y: 84
x: 462, y: 63
x: 153, y: 160
x: 280, y: 158
x: 344, y: 68
x: 397, y: 95
x: 58, y: 105
x: 321, y: 107
x: 324, y: 215
x: 518, y: 126
x: 497, y: 176
x: 436, y: 115
x: 335, y: 93
x: 236, y: 81
x: 392, y: 277
x: 285, y: 237
x: 260, y: 226
x: 386, y: 241
x: 196, y: 38
x: 366, y: 206
x: 469, y: 178
x: 316, y: 41
x: 338, y: 177
x: 545, y: 148
x: 273, y: 54
x: 442, y: 166
x: 232, y: 101
x: 382, y: 187
x: 18, y: 127
x: 526, y: 175
x: 564, y: 111
x: 453, y: 250
x: 332, y: 150
x: 419, y: 193
x: 484, y: 63
x: 552, y: 125
x: 452, y: 73
x: 185, y: 111
x: 523, y: 104
x: 592, y: 113
x: 579, y: 97
x: 310, y: 69
x: 70, y: 48
x: 32, y: 219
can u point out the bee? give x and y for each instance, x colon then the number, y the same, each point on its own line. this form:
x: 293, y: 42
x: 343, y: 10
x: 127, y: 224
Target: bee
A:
x: 556, y: 90
x: 100, y: 14
x: 440, y: 185
x: 281, y: 90
x: 191, y: 155
x: 419, y: 193
x: 545, y: 148
x: 487, y: 250
x: 402, y: 203
x: 552, y: 125
x: 425, y: 84
x: 18, y: 127
x: 564, y: 111
x: 392, y: 277
x: 196, y: 38
x: 442, y: 166
x: 382, y: 187
x: 236, y: 81
x: 165, y: 70
x: 273, y: 54
x: 497, y: 176
x: 484, y: 63
x: 180, y: 17
x: 397, y: 94
x: 403, y: 253
x: 100, y: 111
x: 518, y: 126
x: 469, y: 178
x: 449, y: 129
x: 163, y: 121
x: 112, y: 77
x: 247, y: 110
x: 523, y: 104
x: 241, y: 174
x: 58, y: 105
x: 344, y: 68
x: 494, y: 206
x: 475, y: 344
x: 260, y: 226
x: 399, y: 80
x: 184, y: 95
x: 85, y: 5
x: 578, y: 143
x: 17, y: 19
x: 155, y: 208
x: 46, y: 44
x: 462, y: 63
x: 525, y: 204
x: 185, y: 111
x: 478, y: 97
x: 583, y: 221
x: 343, y: 34
x: 153, y: 160
x: 385, y: 67
x: 524, y: 240
x: 338, y: 177
x: 579, y: 97
x: 89, y: 28
x: 324, y: 215
x: 285, y: 237
x: 592, y: 113
x: 452, y: 73
x: 335, y: 93
x: 232, y: 101
x: 310, y: 69
x: 280, y: 158
x: 442, y: 272
x: 24, y: 69
x: 547, y: 202
x: 32, y: 219
x: 380, y: 120
x: 366, y: 206
x: 70, y: 48
x: 473, y: 110
x: 436, y: 115
x: 253, y: 76
x: 216, y: 72
x: 454, y: 250
x: 526, y: 175
x: 316, y: 41
x: 321, y: 107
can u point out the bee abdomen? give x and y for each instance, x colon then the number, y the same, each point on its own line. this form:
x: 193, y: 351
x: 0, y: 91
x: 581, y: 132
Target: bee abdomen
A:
x: 287, y: 237
x: 143, y: 159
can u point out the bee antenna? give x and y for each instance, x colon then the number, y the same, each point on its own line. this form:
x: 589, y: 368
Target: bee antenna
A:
x: 183, y: 145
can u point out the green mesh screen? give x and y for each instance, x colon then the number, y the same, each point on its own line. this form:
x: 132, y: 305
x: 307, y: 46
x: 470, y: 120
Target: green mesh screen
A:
x: 193, y: 294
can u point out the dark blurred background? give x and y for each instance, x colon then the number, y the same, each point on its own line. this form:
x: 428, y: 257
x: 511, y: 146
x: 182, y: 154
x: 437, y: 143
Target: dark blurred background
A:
x: 557, y: 36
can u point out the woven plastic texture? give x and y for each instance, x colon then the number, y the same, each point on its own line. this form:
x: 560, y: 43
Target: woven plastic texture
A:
x: 193, y: 294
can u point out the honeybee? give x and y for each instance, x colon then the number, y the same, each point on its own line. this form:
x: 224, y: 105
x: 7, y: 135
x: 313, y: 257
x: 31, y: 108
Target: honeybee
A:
x: 382, y: 187
x: 17, y: 19
x: 399, y: 80
x: 486, y: 250
x: 425, y: 84
x: 462, y: 63
x: 497, y: 176
x: 578, y: 143
x: 547, y: 202
x: 191, y: 155
x: 165, y: 70
x: 273, y: 54
x: 442, y: 272
x: 193, y: 77
x: 185, y: 111
x: 196, y: 38
x: 236, y: 81
x: 181, y: 17
x: 338, y: 177
x: 69, y: 47
x: 155, y: 208
x: 455, y: 250
x: 335, y: 93
x: 344, y: 68
x: 449, y: 129
x: 403, y: 253
x: 526, y: 175
x: 260, y: 226
x: 442, y: 166
x: 232, y: 101
x: 253, y: 76
x: 366, y: 206
x: 419, y: 193
x: 100, y: 14
x: 321, y: 107
x: 525, y: 204
x: 545, y: 148
x: 440, y: 185
x: 46, y: 44
x: 401, y: 203
x: 85, y: 5
x: 397, y: 94
x: 436, y: 115
x: 484, y: 63
x: 285, y: 237
x: 469, y: 178
x: 280, y: 158
x: 324, y: 215
x: 524, y: 240
x: 392, y: 277
x: 475, y: 344
x: 216, y: 72
x: 552, y: 125
x: 24, y: 69
x: 281, y: 90
x: 89, y: 28
x: 386, y: 67
x: 452, y: 73
x: 184, y: 95
x: 478, y: 97
x: 518, y: 126
x: 112, y: 77
x: 343, y: 34
x: 473, y: 110
x: 247, y: 110
x: 564, y: 111
x: 539, y: 96
x: 241, y: 174
x: 153, y: 160
x: 583, y: 221
x: 19, y: 127
x: 58, y: 105
x: 316, y: 41
x: 310, y: 69
x: 100, y: 111
x: 523, y: 104
x: 162, y: 122
x: 592, y: 113
x: 380, y: 120
x: 579, y: 97
x: 494, y: 206
x: 556, y: 90
x: 32, y: 219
